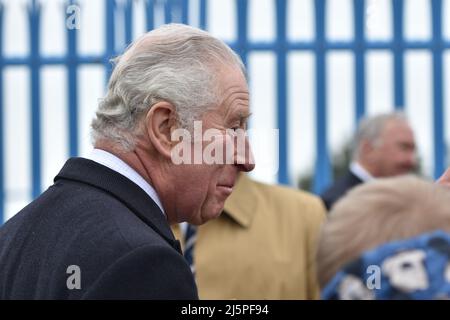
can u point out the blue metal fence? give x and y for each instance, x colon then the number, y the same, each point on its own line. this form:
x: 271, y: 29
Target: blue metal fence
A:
x: 281, y: 47
x: 2, y: 175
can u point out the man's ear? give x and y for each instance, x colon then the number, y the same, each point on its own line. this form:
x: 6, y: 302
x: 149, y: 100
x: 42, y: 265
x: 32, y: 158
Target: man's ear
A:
x: 161, y: 120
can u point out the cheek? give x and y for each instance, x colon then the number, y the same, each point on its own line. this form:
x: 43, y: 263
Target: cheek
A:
x: 389, y: 154
x: 399, y: 155
x: 204, y: 180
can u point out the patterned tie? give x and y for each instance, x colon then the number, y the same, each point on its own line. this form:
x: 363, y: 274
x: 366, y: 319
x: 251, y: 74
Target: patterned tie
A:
x: 189, y: 243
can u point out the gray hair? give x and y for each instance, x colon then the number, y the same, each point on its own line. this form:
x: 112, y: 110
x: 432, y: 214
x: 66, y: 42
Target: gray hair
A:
x: 371, y: 128
x: 174, y: 63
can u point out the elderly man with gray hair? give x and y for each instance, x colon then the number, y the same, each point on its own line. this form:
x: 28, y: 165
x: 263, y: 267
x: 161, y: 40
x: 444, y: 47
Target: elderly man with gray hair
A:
x: 384, y: 146
x: 102, y: 230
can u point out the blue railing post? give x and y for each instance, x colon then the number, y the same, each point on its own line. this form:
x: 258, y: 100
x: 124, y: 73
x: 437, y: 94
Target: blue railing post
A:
x: 178, y: 11
x: 360, y: 77
x: 110, y: 37
x: 322, y: 175
x: 397, y: 16
x: 283, y: 175
x: 34, y: 11
x: 438, y: 114
x: 203, y: 11
x: 242, y: 24
x: 185, y: 11
x: 167, y: 11
x: 72, y: 66
x: 2, y: 133
x: 150, y: 14
x: 128, y: 13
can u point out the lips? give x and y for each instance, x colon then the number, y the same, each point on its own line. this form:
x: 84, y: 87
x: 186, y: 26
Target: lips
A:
x: 226, y: 182
x: 227, y: 187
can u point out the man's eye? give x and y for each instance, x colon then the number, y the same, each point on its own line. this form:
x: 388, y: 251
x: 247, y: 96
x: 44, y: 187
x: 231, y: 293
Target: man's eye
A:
x: 233, y: 131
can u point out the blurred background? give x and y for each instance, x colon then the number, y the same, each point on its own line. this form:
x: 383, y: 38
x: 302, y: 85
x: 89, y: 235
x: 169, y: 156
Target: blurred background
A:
x: 315, y: 68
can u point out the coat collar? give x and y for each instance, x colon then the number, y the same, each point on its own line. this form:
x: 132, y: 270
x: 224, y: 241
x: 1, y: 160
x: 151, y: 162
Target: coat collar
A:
x: 101, y: 177
x: 242, y: 204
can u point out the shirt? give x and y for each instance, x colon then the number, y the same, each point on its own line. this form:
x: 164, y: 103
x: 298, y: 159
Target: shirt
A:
x: 359, y: 171
x: 115, y: 163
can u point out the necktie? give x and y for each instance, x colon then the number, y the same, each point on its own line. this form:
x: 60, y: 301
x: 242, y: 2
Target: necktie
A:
x: 189, y: 242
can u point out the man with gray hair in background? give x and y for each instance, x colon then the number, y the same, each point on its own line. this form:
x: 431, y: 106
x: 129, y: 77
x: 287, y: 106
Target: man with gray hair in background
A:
x: 384, y: 146
x: 102, y: 230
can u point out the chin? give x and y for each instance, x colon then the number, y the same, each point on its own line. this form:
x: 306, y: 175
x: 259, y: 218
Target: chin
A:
x: 211, y: 213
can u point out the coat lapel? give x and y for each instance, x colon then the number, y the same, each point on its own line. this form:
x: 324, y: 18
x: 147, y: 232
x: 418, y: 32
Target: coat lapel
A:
x: 242, y: 204
x: 131, y: 195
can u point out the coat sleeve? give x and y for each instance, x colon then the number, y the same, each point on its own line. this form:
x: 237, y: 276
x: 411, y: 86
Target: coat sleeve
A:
x: 148, y: 272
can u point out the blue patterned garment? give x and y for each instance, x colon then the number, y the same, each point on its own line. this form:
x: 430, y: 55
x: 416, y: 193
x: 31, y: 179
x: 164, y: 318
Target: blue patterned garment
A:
x: 416, y: 268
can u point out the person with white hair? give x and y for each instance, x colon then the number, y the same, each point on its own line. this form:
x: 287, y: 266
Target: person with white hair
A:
x: 102, y: 231
x: 384, y: 146
x: 388, y: 239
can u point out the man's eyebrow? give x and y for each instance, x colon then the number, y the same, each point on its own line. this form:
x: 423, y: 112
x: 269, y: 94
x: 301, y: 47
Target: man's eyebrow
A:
x: 243, y: 116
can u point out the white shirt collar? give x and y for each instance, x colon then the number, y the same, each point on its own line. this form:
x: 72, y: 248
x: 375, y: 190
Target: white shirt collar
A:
x: 114, y: 163
x: 359, y: 171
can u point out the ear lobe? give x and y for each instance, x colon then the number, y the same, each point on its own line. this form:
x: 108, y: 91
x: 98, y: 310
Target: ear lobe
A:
x: 161, y: 120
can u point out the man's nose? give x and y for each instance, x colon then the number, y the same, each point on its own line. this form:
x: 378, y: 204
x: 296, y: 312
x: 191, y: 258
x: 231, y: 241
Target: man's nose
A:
x: 412, y: 159
x: 244, y: 158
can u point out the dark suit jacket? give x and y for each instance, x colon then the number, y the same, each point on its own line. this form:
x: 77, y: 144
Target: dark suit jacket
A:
x: 339, y: 188
x: 102, y: 222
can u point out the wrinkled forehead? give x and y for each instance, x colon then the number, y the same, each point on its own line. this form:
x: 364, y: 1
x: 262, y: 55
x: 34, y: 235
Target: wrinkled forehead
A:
x: 396, y: 127
x: 398, y: 132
